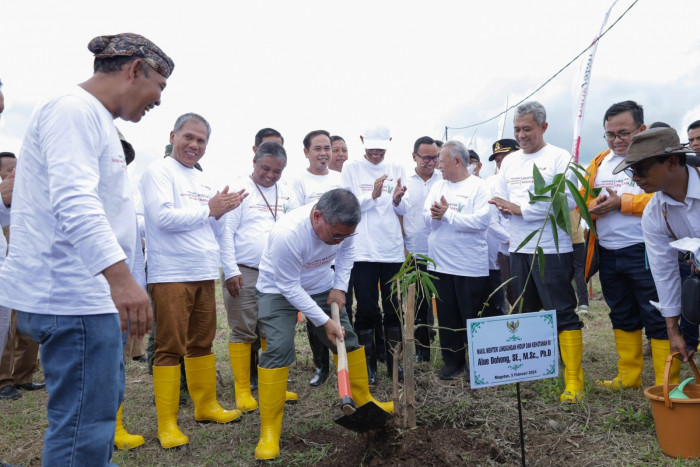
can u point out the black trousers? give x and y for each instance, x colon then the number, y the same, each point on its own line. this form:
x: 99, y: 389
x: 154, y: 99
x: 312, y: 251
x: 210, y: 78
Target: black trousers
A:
x: 555, y: 292
x: 366, y: 277
x: 460, y: 298
x: 497, y: 303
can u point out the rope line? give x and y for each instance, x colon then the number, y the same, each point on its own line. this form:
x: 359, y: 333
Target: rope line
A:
x: 549, y: 80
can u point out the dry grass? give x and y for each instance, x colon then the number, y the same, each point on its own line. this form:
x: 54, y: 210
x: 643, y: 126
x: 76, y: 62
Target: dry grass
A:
x: 608, y: 428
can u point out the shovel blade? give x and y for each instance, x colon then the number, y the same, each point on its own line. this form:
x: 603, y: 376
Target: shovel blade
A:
x: 367, y: 417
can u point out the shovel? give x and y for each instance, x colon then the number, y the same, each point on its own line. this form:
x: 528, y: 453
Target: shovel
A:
x: 359, y: 419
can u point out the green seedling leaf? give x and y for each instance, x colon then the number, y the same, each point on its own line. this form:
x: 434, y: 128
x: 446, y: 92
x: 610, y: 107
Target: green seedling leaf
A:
x: 583, y: 209
x: 555, y: 231
x: 527, y: 239
x: 538, y: 198
x: 538, y: 180
x: 540, y: 261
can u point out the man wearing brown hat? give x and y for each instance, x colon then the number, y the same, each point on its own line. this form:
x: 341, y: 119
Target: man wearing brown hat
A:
x: 628, y: 286
x: 656, y: 161
x: 74, y: 232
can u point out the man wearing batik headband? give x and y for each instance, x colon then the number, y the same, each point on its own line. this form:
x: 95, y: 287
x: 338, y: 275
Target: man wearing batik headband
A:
x: 656, y: 161
x: 74, y: 232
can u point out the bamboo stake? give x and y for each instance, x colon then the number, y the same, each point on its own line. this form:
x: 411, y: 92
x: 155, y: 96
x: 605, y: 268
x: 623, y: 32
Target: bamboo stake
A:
x: 398, y: 409
x: 410, y: 359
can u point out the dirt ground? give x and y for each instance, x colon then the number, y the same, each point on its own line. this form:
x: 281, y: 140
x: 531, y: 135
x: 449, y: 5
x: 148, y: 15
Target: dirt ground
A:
x: 456, y: 425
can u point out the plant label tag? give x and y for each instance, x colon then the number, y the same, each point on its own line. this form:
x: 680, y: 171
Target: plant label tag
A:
x: 511, y: 348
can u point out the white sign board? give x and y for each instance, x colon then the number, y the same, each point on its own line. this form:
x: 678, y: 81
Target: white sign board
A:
x: 511, y: 348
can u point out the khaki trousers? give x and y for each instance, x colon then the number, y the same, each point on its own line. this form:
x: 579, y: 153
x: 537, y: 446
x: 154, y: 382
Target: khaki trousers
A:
x: 19, y: 358
x: 185, y: 314
x: 242, y: 311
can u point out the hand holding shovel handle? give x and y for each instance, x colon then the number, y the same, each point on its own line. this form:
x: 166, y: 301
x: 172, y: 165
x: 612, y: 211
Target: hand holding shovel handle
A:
x: 346, y: 403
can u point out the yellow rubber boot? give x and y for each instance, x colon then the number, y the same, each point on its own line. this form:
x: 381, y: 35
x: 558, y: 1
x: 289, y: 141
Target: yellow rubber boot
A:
x: 239, y: 353
x: 272, y: 384
x: 166, y: 387
x: 571, y: 347
x: 630, y: 362
x: 289, y: 397
x: 359, y: 383
x: 660, y: 348
x: 122, y: 439
x: 201, y: 383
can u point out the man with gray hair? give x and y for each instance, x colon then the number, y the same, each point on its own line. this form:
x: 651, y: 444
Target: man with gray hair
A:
x: 241, y: 245
x: 296, y: 274
x: 183, y: 217
x: 457, y: 212
x: 555, y: 291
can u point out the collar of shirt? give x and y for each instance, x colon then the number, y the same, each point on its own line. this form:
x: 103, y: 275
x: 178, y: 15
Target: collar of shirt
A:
x: 692, y: 193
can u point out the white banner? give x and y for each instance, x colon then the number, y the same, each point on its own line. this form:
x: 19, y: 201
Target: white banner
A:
x: 584, y: 82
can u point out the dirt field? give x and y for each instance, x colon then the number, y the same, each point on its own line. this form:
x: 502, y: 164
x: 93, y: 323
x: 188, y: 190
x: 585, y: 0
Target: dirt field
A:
x: 456, y: 425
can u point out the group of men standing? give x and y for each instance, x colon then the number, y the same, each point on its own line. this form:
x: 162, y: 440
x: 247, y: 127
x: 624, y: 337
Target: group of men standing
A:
x: 302, y: 246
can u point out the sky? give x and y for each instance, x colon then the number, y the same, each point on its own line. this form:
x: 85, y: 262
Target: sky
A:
x: 413, y: 66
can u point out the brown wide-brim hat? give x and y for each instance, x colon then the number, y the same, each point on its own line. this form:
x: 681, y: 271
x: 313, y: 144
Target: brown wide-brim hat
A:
x: 652, y: 143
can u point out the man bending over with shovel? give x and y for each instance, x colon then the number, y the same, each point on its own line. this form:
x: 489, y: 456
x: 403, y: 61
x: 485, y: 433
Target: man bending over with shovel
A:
x: 296, y: 274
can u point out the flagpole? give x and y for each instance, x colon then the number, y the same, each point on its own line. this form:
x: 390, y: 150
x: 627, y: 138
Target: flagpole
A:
x: 584, y: 83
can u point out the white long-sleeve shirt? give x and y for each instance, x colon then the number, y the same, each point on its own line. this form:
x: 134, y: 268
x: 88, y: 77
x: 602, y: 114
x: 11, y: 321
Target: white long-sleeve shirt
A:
x: 297, y: 264
x: 180, y: 235
x: 516, y: 180
x: 457, y: 242
x: 4, y: 222
x: 414, y: 228
x: 248, y: 226
x: 684, y: 220
x: 72, y: 211
x: 379, y: 233
x: 503, y: 221
x: 308, y: 187
x: 616, y: 230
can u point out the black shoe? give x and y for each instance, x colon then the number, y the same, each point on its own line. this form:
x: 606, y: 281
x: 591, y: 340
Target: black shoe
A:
x: 450, y: 371
x: 30, y: 386
x: 141, y: 359
x: 253, y: 370
x: 319, y: 378
x: 8, y: 392
x: 380, y: 344
x: 366, y: 339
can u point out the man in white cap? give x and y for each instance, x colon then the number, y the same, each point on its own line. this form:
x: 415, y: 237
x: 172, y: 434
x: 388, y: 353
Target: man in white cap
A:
x: 656, y: 161
x: 377, y: 184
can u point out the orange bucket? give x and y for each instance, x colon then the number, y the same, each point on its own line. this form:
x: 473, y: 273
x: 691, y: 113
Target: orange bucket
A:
x: 677, y: 421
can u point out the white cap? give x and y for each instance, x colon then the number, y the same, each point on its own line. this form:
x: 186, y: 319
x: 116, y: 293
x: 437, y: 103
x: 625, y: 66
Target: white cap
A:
x: 377, y: 138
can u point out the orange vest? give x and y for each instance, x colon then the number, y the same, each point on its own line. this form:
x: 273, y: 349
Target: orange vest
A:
x: 630, y: 204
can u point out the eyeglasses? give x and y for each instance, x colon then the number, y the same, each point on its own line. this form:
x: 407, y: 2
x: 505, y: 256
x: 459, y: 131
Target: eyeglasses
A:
x: 623, y: 135
x: 640, y: 169
x: 342, y: 237
x: 427, y: 159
